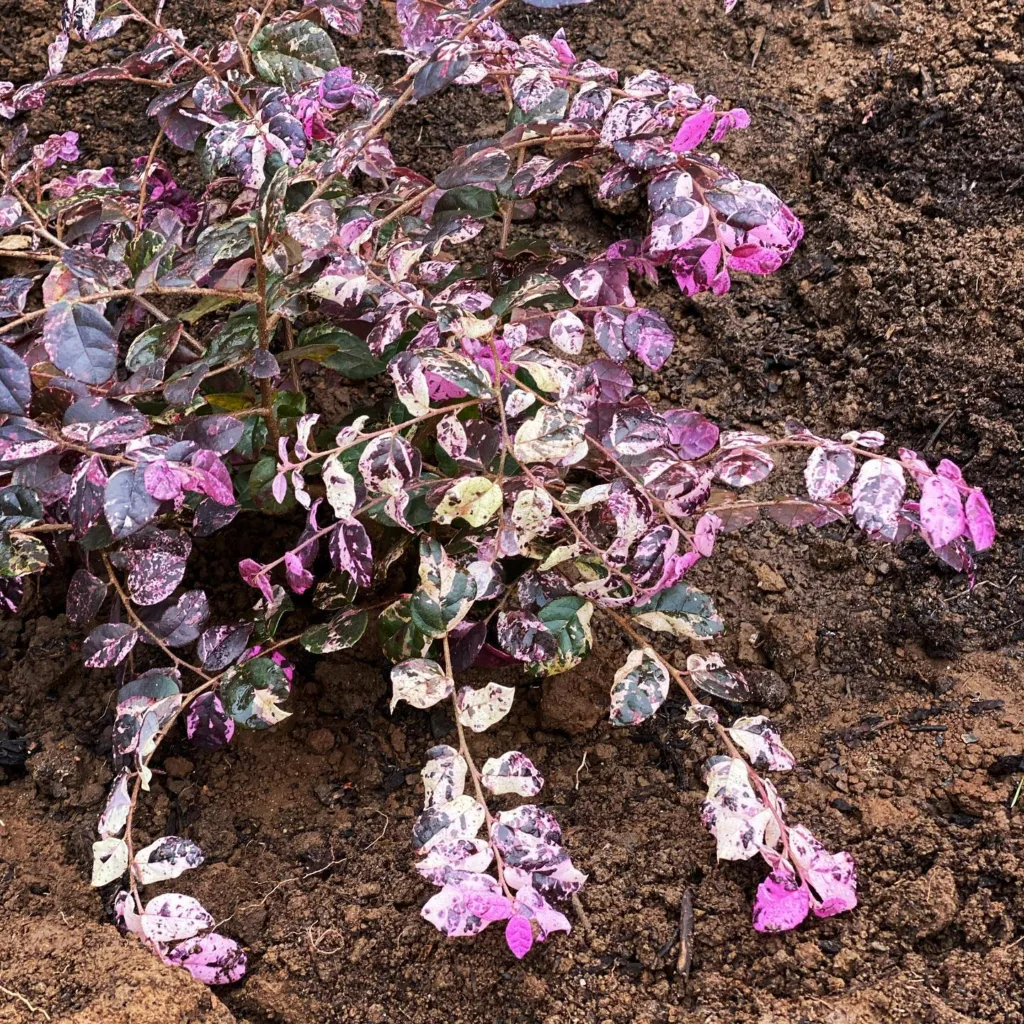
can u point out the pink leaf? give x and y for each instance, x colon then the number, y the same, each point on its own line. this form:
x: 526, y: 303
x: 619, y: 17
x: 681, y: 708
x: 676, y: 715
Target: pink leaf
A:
x: 693, y: 131
x: 981, y: 525
x: 213, y: 959
x: 519, y: 936
x: 833, y: 877
x: 782, y: 902
x: 942, y: 513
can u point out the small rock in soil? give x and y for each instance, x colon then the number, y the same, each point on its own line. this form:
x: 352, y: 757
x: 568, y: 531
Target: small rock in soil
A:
x: 923, y: 906
x: 320, y: 741
x: 874, y: 23
x: 769, y: 580
x: 178, y: 767
x: 769, y: 688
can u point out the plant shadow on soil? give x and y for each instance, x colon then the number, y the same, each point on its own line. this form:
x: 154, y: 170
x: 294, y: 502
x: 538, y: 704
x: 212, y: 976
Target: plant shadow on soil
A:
x: 895, y: 134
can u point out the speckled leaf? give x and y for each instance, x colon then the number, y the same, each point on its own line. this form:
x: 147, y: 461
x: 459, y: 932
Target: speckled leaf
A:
x: 109, y: 861
x: 458, y: 855
x: 86, y: 594
x: 513, y: 772
x: 153, y: 575
x: 877, y: 497
x: 115, y: 811
x: 444, y: 776
x: 399, y: 636
x: 343, y: 631
x: 460, y: 818
x: 211, y: 959
x: 832, y: 877
x: 341, y: 488
x: 742, y: 467
x: 639, y: 688
x: 421, y: 682
x: 219, y: 646
x: 350, y: 551
x: 550, y: 436
x: 762, y: 744
x: 167, y: 858
x: 981, y: 524
x: 467, y: 906
x: 708, y: 673
x: 173, y: 917
x: 827, y: 470
x: 252, y: 692
x: 13, y: 293
x: 109, y: 645
x: 734, y: 813
x: 480, y: 709
x: 475, y: 499
x: 682, y: 611
x: 291, y: 53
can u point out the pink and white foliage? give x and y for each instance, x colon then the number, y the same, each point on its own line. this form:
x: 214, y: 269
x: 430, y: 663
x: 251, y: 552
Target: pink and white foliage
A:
x: 532, y: 484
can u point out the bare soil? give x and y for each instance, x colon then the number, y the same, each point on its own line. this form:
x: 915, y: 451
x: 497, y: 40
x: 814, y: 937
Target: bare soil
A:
x: 895, y: 132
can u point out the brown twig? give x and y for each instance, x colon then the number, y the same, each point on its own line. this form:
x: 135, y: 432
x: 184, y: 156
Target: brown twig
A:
x: 263, y: 328
x: 685, y: 957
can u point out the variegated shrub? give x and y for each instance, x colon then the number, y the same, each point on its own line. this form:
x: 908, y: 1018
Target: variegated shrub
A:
x: 155, y: 347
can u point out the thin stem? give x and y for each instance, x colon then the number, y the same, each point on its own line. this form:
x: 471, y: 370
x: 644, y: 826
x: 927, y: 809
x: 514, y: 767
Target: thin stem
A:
x: 263, y: 328
x: 144, y: 180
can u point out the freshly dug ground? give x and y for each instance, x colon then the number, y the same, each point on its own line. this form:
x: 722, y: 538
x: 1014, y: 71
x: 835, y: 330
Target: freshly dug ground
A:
x: 895, y: 132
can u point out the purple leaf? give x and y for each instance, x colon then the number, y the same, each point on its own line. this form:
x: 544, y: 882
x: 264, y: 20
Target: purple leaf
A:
x: 109, y: 645
x: 981, y: 525
x: 15, y: 383
x: 942, y: 513
x: 219, y: 646
x: 80, y: 342
x: 86, y: 595
x: 13, y: 292
x: 648, y: 337
x: 467, y: 906
x: 127, y: 504
x: 208, y: 725
x: 212, y: 959
x: 832, y: 877
x: 178, y: 623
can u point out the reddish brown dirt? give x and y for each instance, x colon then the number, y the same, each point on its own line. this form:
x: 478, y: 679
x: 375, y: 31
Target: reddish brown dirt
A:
x: 895, y: 132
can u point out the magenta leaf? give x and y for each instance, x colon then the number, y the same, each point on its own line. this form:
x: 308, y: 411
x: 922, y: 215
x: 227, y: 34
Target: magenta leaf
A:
x: 782, y: 902
x: 519, y: 935
x: 981, y: 525
x: 693, y: 131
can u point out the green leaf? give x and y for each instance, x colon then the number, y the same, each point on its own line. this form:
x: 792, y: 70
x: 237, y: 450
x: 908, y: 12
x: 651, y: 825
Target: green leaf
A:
x: 293, y: 53
x: 156, y: 343
x: 568, y: 618
x: 682, y: 611
x: 479, y: 203
x: 344, y: 630
x: 260, y: 493
x: 250, y: 693
x: 22, y: 555
x: 533, y: 289
x: 350, y: 356
x: 400, y: 638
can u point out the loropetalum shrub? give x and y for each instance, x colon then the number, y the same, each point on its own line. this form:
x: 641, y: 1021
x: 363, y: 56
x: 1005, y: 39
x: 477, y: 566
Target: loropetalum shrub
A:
x: 151, y: 379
